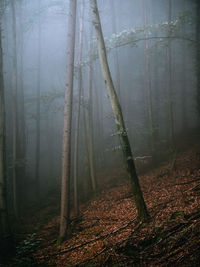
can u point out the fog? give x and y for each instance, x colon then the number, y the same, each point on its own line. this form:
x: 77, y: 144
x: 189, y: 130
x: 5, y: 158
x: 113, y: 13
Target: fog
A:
x: 152, y: 55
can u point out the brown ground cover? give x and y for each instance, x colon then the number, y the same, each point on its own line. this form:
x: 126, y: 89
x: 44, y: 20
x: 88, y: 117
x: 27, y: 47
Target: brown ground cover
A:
x: 107, y: 232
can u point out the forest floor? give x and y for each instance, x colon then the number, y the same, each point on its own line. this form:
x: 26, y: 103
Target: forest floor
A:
x: 107, y: 232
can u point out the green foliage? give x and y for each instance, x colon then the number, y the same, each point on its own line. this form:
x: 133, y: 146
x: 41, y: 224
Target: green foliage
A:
x: 24, y: 252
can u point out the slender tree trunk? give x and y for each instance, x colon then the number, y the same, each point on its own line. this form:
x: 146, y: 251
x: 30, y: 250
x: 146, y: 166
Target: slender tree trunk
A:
x: 37, y: 152
x: 85, y: 130
x: 116, y: 57
x: 148, y: 83
x: 184, y: 121
x: 4, y: 222
x: 90, y: 125
x: 99, y: 107
x: 138, y: 197
x: 65, y: 187
x: 15, y: 116
x: 21, y: 112
x: 80, y: 47
x: 88, y: 179
x: 90, y: 131
x: 169, y: 84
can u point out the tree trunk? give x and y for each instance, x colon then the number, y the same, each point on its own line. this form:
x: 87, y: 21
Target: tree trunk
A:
x: 90, y: 124
x: 169, y: 83
x: 4, y: 223
x: 79, y: 74
x: 65, y: 186
x: 184, y: 121
x: 138, y: 197
x: 148, y: 84
x: 37, y: 152
x: 15, y: 116
x: 90, y: 132
x: 116, y: 58
x: 21, y: 111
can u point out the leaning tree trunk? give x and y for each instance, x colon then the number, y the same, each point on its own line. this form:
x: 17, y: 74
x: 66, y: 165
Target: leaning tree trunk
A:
x: 138, y: 197
x: 4, y: 223
x: 66, y: 156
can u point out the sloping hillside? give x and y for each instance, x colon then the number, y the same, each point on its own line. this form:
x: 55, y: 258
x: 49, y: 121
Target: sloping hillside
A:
x: 107, y: 232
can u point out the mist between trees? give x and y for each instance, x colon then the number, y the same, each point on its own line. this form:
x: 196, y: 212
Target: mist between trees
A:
x: 135, y: 113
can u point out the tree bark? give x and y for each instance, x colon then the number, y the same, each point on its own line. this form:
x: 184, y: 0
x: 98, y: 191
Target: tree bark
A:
x: 4, y: 222
x: 184, y: 121
x: 90, y: 132
x: 138, y: 197
x: 15, y: 116
x: 65, y: 186
x: 169, y: 83
x: 148, y: 83
x: 37, y: 152
x: 90, y: 125
x: 79, y: 74
x: 21, y: 111
x: 116, y: 57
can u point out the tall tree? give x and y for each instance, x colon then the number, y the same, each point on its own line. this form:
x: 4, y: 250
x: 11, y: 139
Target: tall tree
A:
x: 116, y: 57
x: 15, y: 116
x: 184, y: 122
x: 21, y: 105
x: 122, y: 132
x: 4, y: 223
x: 90, y: 131
x: 79, y: 74
x: 148, y: 83
x: 38, y: 89
x: 169, y: 80
x: 90, y: 123
x: 65, y: 185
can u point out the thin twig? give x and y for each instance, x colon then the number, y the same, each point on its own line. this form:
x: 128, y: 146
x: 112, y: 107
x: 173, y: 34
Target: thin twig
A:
x: 90, y: 241
x: 188, y: 182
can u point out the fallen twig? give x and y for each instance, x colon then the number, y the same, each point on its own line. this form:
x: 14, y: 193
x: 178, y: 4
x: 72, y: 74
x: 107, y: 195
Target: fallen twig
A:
x: 188, y: 182
x: 111, y: 246
x: 90, y: 241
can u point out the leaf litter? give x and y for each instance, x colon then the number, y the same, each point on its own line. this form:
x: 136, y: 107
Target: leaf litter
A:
x: 108, y: 233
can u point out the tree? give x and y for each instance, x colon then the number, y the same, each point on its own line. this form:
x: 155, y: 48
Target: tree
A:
x: 122, y: 132
x: 79, y: 74
x: 169, y: 80
x: 65, y: 184
x: 15, y: 118
x: 90, y: 124
x: 4, y: 222
x: 148, y: 83
x: 116, y: 57
x: 90, y: 131
x: 37, y: 154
